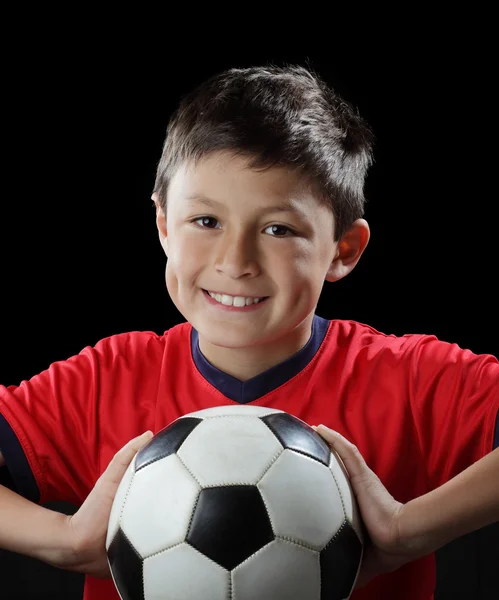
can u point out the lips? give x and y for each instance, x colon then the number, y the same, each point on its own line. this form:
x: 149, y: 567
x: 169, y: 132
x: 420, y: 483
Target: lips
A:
x: 234, y: 295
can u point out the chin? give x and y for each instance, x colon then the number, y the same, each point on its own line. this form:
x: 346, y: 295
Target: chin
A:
x: 229, y: 339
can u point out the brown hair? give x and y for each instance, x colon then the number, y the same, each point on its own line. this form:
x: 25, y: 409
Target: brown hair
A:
x: 277, y: 116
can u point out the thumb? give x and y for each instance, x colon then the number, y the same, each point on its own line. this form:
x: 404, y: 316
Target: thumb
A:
x: 349, y: 453
x: 121, y: 460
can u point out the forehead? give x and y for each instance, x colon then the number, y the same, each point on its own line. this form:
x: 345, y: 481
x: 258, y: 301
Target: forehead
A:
x: 229, y: 179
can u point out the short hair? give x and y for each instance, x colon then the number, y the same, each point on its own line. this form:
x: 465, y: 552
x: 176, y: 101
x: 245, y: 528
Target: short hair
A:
x: 276, y: 116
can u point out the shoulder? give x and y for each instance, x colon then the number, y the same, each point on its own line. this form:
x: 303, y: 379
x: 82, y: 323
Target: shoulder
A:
x: 137, y: 345
x: 361, y: 335
x: 423, y: 348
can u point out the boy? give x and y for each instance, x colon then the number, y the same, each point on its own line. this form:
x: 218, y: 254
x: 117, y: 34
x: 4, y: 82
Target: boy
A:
x: 259, y: 199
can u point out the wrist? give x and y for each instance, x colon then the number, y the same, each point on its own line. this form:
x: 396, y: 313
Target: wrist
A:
x: 33, y: 530
x: 427, y: 523
x: 415, y: 529
x: 56, y: 548
x: 450, y: 511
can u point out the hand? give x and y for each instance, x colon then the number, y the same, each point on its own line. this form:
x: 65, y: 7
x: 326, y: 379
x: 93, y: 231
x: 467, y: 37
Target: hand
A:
x: 88, y: 526
x: 384, y: 550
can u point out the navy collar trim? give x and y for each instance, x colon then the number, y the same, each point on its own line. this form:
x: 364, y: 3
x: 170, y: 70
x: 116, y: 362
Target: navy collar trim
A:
x: 248, y: 391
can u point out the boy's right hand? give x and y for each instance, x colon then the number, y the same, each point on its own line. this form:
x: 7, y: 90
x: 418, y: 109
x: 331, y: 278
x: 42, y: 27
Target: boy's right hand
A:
x: 88, y: 526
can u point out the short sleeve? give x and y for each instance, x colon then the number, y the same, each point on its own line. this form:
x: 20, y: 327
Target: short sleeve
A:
x: 48, y: 430
x: 455, y: 401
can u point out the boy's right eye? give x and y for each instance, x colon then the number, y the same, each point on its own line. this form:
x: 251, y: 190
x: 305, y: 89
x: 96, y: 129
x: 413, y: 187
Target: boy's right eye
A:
x: 203, y: 219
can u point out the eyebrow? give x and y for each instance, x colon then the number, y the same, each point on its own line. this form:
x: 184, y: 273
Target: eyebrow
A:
x: 286, y: 206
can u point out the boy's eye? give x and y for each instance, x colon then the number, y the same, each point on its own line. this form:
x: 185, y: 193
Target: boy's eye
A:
x: 281, y: 227
x: 205, y: 225
x: 204, y: 219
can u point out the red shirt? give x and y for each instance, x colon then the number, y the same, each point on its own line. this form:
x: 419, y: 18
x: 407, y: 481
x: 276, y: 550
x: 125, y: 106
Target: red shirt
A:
x: 420, y: 411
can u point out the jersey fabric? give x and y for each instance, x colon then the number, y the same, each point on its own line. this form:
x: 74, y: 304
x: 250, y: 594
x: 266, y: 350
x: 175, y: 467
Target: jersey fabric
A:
x: 420, y: 410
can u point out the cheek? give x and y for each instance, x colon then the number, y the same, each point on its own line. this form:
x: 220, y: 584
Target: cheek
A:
x: 185, y: 261
x: 297, y: 263
x: 171, y: 280
x: 184, y: 251
x: 306, y: 273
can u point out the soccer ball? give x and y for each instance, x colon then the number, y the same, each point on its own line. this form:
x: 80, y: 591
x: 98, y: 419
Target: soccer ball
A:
x: 240, y: 502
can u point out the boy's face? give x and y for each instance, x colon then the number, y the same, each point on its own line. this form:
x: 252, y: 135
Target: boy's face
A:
x: 244, y: 247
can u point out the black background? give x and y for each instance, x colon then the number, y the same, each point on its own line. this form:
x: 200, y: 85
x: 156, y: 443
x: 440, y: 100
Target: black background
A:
x: 86, y: 101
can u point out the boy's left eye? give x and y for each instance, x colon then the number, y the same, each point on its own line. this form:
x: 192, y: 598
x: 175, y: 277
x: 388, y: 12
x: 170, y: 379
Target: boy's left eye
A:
x: 276, y: 226
x: 280, y: 227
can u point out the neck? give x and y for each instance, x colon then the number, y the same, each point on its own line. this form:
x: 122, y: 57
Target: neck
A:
x: 248, y: 362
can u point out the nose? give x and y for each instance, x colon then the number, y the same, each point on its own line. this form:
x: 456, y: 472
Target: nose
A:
x: 236, y: 255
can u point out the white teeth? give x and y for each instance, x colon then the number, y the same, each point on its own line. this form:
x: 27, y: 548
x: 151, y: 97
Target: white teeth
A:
x: 237, y: 301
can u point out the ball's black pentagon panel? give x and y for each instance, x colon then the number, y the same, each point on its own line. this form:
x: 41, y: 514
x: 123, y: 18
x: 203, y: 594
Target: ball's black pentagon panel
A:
x: 126, y: 567
x: 166, y: 442
x: 340, y: 561
x: 229, y: 524
x: 297, y: 435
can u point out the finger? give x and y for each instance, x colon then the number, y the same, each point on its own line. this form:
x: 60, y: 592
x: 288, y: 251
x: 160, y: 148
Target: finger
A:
x: 350, y: 455
x: 122, y: 459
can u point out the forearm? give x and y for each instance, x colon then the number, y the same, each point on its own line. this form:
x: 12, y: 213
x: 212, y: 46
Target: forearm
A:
x: 32, y: 530
x: 464, y: 504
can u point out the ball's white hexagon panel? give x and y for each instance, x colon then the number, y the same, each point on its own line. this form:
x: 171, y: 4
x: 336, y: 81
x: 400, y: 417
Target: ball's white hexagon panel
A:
x: 233, y: 410
x: 119, y: 500
x: 279, y: 570
x: 183, y: 572
x: 159, y: 506
x: 302, y: 499
x: 229, y: 450
x: 346, y: 492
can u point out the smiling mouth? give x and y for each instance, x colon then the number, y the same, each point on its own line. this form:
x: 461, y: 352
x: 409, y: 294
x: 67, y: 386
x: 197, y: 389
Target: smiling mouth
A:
x: 261, y: 299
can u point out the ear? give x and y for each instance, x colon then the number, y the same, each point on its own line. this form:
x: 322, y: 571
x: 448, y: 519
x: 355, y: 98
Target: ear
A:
x: 160, y: 222
x: 349, y: 249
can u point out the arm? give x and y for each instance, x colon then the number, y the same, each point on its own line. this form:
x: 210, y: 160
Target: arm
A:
x: 30, y: 529
x: 467, y: 502
x: 73, y: 542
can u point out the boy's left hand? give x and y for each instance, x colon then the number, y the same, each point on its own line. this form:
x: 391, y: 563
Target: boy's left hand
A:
x: 384, y: 550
